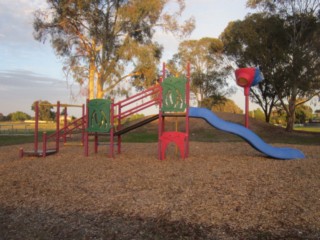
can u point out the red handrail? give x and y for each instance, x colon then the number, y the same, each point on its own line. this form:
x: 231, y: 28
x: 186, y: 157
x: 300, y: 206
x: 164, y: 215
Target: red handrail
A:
x: 138, y: 108
x: 153, y: 92
x: 156, y: 87
x: 135, y: 98
x: 76, y: 123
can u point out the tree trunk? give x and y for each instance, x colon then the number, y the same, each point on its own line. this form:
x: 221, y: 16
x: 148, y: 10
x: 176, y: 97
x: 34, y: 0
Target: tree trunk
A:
x: 100, y: 92
x: 291, y: 114
x: 91, y: 78
x: 267, y: 117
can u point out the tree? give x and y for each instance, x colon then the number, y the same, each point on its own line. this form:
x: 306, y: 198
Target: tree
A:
x: 259, y: 40
x: 209, y: 71
x: 19, y: 116
x: 104, y: 42
x: 300, y: 75
x: 303, y: 113
x: 45, y: 110
x: 258, y: 114
x: 228, y: 106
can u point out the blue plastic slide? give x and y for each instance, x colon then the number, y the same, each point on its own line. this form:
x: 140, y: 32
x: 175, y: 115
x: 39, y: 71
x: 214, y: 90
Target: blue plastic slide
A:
x: 253, y: 139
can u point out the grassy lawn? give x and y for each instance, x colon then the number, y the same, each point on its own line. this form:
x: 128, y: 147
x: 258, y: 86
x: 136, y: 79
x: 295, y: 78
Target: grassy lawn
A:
x: 308, y: 129
x: 143, y: 137
x: 12, y: 140
x: 6, y: 140
x: 206, y: 134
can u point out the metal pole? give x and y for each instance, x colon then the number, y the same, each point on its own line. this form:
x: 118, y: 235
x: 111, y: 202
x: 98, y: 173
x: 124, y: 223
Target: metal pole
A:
x: 58, y: 126
x: 112, y: 129
x: 246, y: 93
x: 119, y: 128
x: 86, y: 137
x: 65, y: 124
x: 44, y: 144
x: 36, y: 126
x: 83, y: 124
x: 187, y: 111
x: 160, y: 121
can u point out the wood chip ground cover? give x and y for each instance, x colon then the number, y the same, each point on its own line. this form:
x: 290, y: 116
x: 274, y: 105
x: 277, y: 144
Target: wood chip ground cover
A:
x: 222, y: 191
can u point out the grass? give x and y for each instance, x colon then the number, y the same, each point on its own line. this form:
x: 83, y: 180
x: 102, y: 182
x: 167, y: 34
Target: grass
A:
x: 206, y: 133
x: 143, y: 137
x: 12, y: 140
x: 308, y: 129
x: 6, y: 140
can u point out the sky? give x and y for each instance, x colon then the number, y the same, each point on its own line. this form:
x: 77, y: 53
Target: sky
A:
x: 30, y: 71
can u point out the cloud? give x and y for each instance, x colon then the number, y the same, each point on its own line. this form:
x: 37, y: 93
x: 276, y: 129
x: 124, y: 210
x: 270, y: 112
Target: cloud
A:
x: 13, y: 79
x: 20, y: 88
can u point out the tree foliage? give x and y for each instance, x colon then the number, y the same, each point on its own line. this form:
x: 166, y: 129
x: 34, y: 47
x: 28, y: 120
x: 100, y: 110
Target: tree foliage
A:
x: 46, y: 112
x: 18, y: 116
x: 300, y: 76
x: 105, y: 41
x: 257, y: 114
x: 208, y: 69
x: 228, y: 106
x: 259, y: 40
x: 303, y: 113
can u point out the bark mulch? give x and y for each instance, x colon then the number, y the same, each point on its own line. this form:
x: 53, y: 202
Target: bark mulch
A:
x: 222, y: 191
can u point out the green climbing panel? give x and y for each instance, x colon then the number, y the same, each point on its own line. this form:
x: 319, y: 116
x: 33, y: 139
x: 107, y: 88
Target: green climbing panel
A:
x: 174, y: 94
x: 99, y: 115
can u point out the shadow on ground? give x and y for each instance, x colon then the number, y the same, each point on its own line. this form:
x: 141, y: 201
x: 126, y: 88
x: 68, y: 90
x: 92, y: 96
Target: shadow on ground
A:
x: 45, y: 224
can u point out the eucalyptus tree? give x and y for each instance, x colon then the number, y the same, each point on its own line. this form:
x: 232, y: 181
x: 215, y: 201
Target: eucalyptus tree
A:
x: 103, y: 42
x: 209, y: 70
x: 300, y: 75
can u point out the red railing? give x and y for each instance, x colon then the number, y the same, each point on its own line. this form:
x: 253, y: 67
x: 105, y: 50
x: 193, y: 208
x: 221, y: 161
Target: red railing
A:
x: 76, y: 124
x: 149, y: 97
x: 152, y: 92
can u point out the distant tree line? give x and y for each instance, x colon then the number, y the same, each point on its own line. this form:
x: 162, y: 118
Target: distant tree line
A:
x: 46, y: 113
x: 15, y: 116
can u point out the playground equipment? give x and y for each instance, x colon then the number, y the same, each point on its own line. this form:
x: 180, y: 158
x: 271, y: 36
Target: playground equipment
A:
x: 58, y: 135
x: 172, y: 97
x: 247, y: 78
x: 103, y: 118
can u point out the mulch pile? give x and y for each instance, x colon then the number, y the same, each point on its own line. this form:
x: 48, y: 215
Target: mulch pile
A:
x: 222, y: 191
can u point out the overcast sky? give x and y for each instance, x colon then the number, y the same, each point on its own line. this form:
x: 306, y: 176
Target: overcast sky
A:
x: 30, y: 71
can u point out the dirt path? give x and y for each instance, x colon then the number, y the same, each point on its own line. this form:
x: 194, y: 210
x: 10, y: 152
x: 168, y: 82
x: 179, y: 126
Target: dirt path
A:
x: 223, y: 191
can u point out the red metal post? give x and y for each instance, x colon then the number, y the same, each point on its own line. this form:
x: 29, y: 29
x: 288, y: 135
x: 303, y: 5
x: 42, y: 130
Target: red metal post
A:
x: 36, y: 126
x: 65, y: 124
x: 187, y: 111
x: 83, y: 124
x: 119, y: 128
x: 58, y: 126
x: 161, y: 119
x: 112, y: 129
x: 246, y: 93
x: 86, y: 137
x: 21, y: 153
x: 44, y: 144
